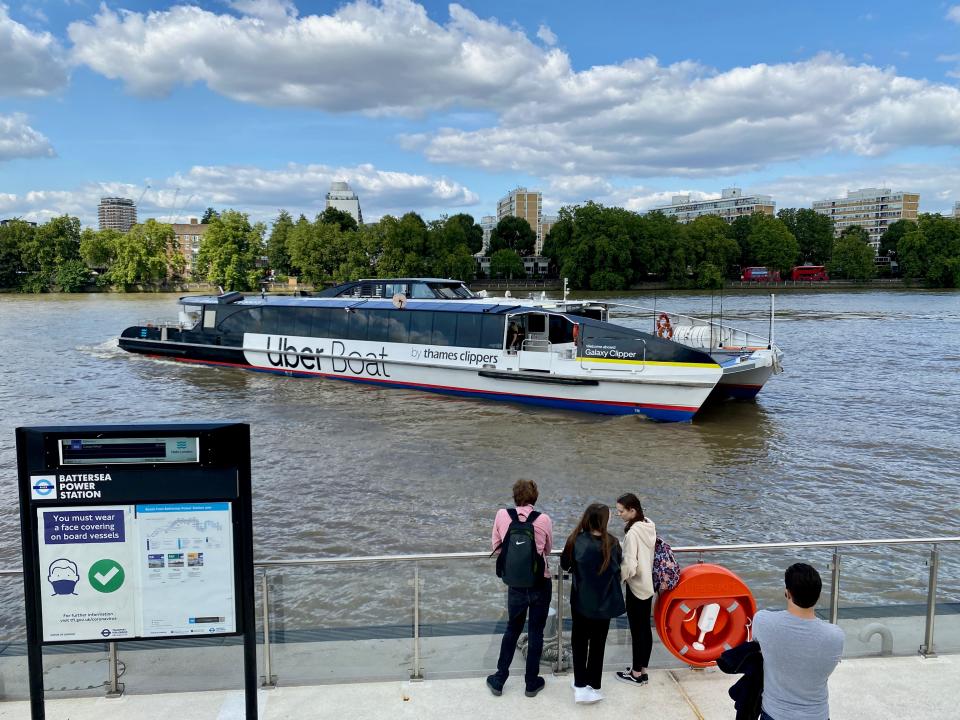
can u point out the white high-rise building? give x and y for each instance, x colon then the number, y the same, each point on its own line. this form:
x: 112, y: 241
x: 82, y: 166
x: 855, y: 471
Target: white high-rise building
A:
x: 488, y: 223
x: 956, y: 209
x: 731, y: 204
x: 873, y: 209
x: 116, y: 213
x: 343, y: 198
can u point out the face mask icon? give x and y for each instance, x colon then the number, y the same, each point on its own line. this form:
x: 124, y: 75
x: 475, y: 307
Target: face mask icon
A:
x: 63, y: 576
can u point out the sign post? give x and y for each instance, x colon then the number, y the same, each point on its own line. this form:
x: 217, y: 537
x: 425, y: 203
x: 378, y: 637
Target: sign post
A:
x: 134, y: 532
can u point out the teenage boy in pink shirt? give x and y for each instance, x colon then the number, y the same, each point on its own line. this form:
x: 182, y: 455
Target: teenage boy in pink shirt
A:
x: 534, y: 599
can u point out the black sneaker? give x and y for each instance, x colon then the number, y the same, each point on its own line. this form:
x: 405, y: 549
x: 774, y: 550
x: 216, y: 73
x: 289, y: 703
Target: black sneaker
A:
x: 534, y: 687
x: 495, y: 684
x: 629, y: 677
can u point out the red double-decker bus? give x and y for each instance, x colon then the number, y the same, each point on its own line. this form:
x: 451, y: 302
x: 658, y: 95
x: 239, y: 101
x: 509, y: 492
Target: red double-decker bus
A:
x: 812, y: 273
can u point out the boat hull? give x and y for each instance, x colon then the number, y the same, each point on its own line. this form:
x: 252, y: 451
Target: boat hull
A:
x: 667, y: 394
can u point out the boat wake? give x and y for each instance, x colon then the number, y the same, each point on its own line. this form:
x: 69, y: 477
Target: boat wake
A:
x: 107, y: 350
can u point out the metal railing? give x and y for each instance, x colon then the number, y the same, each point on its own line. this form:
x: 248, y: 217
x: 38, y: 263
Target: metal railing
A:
x: 264, y: 566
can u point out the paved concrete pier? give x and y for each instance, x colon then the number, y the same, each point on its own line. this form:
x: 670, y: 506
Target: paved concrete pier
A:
x: 892, y: 688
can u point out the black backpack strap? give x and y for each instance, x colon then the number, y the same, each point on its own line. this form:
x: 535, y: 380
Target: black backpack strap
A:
x: 512, y: 512
x: 532, y: 516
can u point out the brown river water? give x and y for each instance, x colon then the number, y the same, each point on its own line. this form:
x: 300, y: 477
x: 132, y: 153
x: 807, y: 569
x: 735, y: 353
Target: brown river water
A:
x: 858, y: 438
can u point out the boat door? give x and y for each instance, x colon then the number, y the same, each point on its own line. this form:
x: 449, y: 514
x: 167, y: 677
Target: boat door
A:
x: 534, y: 348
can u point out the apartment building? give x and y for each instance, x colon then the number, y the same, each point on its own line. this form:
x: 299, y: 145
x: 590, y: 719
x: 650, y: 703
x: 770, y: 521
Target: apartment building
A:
x: 956, y: 210
x: 546, y: 225
x: 528, y: 205
x: 187, y: 237
x: 117, y: 213
x: 873, y: 209
x: 488, y: 223
x: 11, y: 221
x: 731, y: 204
x: 343, y: 198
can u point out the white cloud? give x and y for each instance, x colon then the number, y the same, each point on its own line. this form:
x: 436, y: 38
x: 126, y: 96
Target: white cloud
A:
x: 31, y: 64
x: 384, y: 58
x: 547, y: 35
x: 258, y: 191
x: 640, y: 119
x: 19, y: 140
x: 938, y: 185
x: 953, y: 14
x: 637, y: 118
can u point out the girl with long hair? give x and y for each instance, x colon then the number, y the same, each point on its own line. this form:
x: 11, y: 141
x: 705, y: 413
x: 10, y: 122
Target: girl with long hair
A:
x: 593, y: 557
x: 639, y: 541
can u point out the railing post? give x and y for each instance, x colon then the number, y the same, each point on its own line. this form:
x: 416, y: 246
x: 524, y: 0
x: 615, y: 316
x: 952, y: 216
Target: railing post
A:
x: 927, y: 649
x: 835, y: 586
x: 114, y: 686
x: 559, y: 669
x: 417, y: 672
x: 269, y: 680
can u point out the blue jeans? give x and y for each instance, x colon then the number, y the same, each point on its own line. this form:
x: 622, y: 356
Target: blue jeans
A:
x: 536, y: 600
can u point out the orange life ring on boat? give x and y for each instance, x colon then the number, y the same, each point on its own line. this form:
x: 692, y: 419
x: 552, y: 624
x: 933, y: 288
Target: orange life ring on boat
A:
x: 709, y: 611
x: 664, y: 328
x: 576, y: 333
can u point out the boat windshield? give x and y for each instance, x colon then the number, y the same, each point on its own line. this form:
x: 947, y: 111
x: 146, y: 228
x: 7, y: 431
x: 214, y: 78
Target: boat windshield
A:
x: 453, y: 292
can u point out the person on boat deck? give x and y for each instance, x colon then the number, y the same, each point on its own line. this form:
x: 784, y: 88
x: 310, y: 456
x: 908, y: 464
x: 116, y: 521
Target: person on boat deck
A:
x: 516, y: 336
x: 593, y: 556
x: 639, y: 541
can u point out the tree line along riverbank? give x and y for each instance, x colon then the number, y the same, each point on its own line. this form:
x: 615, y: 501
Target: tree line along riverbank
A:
x: 597, y: 248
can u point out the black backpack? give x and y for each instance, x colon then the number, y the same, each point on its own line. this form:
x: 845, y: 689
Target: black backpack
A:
x: 519, y: 564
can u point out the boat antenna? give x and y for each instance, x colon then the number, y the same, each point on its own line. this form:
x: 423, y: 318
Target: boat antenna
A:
x: 770, y: 338
x: 220, y: 288
x: 565, y: 292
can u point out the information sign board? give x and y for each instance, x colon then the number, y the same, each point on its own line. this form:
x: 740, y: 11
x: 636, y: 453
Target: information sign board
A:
x: 133, y: 532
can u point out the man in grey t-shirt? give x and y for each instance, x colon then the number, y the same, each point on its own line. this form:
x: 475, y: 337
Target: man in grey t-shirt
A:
x: 799, y: 651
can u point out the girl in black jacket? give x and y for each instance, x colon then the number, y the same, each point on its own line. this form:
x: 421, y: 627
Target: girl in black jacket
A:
x: 593, y: 557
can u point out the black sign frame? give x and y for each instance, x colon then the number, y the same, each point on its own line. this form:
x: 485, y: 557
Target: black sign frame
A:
x: 221, y: 474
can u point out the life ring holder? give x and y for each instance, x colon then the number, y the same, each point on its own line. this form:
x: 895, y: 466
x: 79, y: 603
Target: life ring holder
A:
x: 576, y: 333
x: 709, y: 610
x: 664, y: 328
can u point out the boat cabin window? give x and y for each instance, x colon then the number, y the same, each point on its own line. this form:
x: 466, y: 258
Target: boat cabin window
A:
x: 209, y: 317
x: 421, y: 291
x: 391, y: 289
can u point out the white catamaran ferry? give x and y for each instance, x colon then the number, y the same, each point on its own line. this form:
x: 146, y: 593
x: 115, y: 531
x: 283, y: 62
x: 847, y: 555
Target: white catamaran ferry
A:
x: 748, y: 359
x: 452, y: 342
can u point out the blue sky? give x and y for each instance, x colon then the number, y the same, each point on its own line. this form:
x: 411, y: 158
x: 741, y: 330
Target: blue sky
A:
x: 442, y: 108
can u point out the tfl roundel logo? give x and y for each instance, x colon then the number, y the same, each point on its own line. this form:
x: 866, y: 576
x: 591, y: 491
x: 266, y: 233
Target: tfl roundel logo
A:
x: 43, y: 487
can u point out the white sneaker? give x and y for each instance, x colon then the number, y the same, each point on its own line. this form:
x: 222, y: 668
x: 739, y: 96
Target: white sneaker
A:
x: 586, y: 695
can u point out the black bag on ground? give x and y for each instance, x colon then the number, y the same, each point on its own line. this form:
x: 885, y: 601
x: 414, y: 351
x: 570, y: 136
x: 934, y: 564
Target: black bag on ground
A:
x: 519, y: 564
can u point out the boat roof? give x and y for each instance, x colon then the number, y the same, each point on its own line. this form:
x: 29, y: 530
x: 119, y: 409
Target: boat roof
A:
x: 470, y: 306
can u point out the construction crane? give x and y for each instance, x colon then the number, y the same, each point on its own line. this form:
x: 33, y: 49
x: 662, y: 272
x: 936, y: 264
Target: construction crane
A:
x: 183, y: 207
x: 146, y: 186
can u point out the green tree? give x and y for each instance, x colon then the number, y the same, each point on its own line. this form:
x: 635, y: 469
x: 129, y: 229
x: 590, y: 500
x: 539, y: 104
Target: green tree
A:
x: 277, y: 251
x: 13, y: 237
x: 72, y: 276
x: 52, y: 243
x: 506, y: 264
x: 461, y: 229
x: 771, y: 244
x: 853, y: 257
x: 140, y: 256
x: 97, y: 247
x: 892, y: 235
x: 932, y: 251
x: 513, y: 233
x: 230, y: 250
x: 813, y: 231
x: 209, y: 215
x: 709, y: 250
x: 658, y: 248
x: 340, y: 218
x: 404, y: 246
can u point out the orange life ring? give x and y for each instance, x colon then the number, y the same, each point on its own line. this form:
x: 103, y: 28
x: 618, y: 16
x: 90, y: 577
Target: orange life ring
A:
x: 678, y: 612
x: 576, y: 332
x: 664, y: 328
